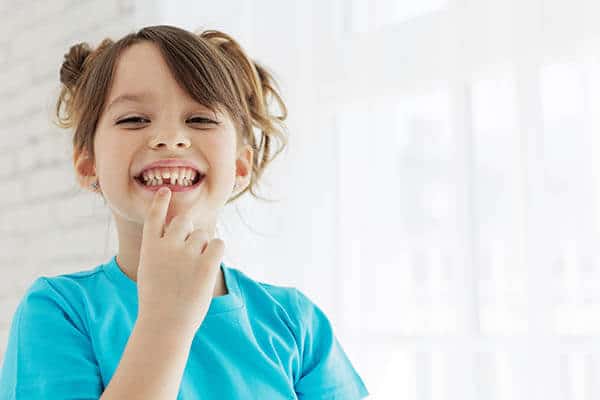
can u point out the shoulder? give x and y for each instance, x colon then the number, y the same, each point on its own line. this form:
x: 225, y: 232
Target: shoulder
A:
x: 252, y: 289
x: 65, y: 294
x: 41, y: 292
x: 68, y: 282
x: 291, y: 301
x: 266, y: 297
x: 47, y: 327
x: 44, y: 299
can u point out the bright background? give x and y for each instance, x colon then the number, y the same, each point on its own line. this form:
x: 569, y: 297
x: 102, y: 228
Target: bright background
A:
x: 438, y: 199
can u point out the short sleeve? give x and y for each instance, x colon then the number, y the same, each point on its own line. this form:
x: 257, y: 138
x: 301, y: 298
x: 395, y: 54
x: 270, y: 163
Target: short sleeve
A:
x: 326, y: 372
x: 48, y: 354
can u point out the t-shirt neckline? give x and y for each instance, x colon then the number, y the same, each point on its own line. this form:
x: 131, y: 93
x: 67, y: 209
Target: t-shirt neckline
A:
x: 228, y: 302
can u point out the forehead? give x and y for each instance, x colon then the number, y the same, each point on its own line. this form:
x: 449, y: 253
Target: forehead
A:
x: 142, y: 75
x: 141, y: 63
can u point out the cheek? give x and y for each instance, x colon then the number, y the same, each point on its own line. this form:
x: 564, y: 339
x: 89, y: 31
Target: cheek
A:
x: 114, y: 156
x: 220, y: 151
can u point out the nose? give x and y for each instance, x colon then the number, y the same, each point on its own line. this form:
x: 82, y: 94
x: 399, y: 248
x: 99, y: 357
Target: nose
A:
x: 171, y: 141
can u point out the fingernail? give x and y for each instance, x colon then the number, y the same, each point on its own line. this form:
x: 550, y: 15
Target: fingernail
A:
x: 163, y: 191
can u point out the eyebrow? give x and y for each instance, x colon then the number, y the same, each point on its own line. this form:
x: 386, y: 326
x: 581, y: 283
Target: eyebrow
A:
x: 132, y: 97
x: 136, y: 98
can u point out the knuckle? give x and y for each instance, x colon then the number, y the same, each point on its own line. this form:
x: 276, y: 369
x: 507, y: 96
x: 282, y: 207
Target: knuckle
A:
x: 218, y: 245
x: 199, y: 233
x: 189, y: 250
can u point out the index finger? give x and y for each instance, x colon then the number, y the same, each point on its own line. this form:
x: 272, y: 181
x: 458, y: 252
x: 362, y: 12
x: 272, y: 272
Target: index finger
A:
x: 157, y: 212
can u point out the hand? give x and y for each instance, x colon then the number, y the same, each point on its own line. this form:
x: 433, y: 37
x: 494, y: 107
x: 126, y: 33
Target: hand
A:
x: 177, y: 272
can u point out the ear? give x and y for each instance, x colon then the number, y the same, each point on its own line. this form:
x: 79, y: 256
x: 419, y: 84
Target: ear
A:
x: 85, y: 169
x: 243, y: 164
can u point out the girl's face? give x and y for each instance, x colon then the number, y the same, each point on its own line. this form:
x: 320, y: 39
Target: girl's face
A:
x: 164, y: 122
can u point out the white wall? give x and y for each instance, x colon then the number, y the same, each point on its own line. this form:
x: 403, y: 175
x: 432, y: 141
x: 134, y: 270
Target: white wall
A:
x: 47, y: 224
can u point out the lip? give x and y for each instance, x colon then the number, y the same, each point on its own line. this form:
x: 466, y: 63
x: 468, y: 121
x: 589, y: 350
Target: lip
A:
x: 174, y: 188
x: 171, y: 162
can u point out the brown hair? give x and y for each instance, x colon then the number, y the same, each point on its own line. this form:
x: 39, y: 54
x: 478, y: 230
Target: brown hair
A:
x: 211, y: 66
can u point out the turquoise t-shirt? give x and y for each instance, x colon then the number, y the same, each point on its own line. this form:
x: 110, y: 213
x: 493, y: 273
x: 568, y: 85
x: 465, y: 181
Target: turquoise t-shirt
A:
x: 259, y: 341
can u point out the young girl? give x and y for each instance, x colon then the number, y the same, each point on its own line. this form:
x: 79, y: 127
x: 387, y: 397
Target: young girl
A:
x: 165, y: 318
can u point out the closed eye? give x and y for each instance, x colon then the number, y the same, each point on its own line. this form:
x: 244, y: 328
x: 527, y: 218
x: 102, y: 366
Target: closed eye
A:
x: 198, y: 120
x: 131, y: 119
x: 203, y: 120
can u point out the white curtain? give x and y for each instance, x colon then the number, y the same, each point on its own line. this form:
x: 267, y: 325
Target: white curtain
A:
x: 469, y: 148
x: 460, y: 181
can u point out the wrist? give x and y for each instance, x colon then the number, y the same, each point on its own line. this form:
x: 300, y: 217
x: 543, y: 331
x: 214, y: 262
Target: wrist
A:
x: 164, y: 330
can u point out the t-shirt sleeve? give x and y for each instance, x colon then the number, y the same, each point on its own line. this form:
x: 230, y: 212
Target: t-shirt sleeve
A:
x: 48, y: 354
x: 326, y: 372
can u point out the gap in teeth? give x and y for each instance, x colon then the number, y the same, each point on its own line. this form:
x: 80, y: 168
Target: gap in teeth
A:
x: 159, y: 181
x: 176, y: 176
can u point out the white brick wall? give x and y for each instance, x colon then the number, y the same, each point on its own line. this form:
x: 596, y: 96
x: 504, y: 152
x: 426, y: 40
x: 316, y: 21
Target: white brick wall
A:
x: 41, y: 207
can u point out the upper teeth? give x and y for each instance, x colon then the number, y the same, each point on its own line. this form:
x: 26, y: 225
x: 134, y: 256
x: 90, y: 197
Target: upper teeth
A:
x: 177, y: 176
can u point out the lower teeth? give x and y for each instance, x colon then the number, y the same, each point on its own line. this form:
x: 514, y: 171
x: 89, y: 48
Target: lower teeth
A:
x: 166, y: 184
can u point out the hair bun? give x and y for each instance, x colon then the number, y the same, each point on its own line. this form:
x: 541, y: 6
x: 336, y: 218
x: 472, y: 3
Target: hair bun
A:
x: 72, y: 66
